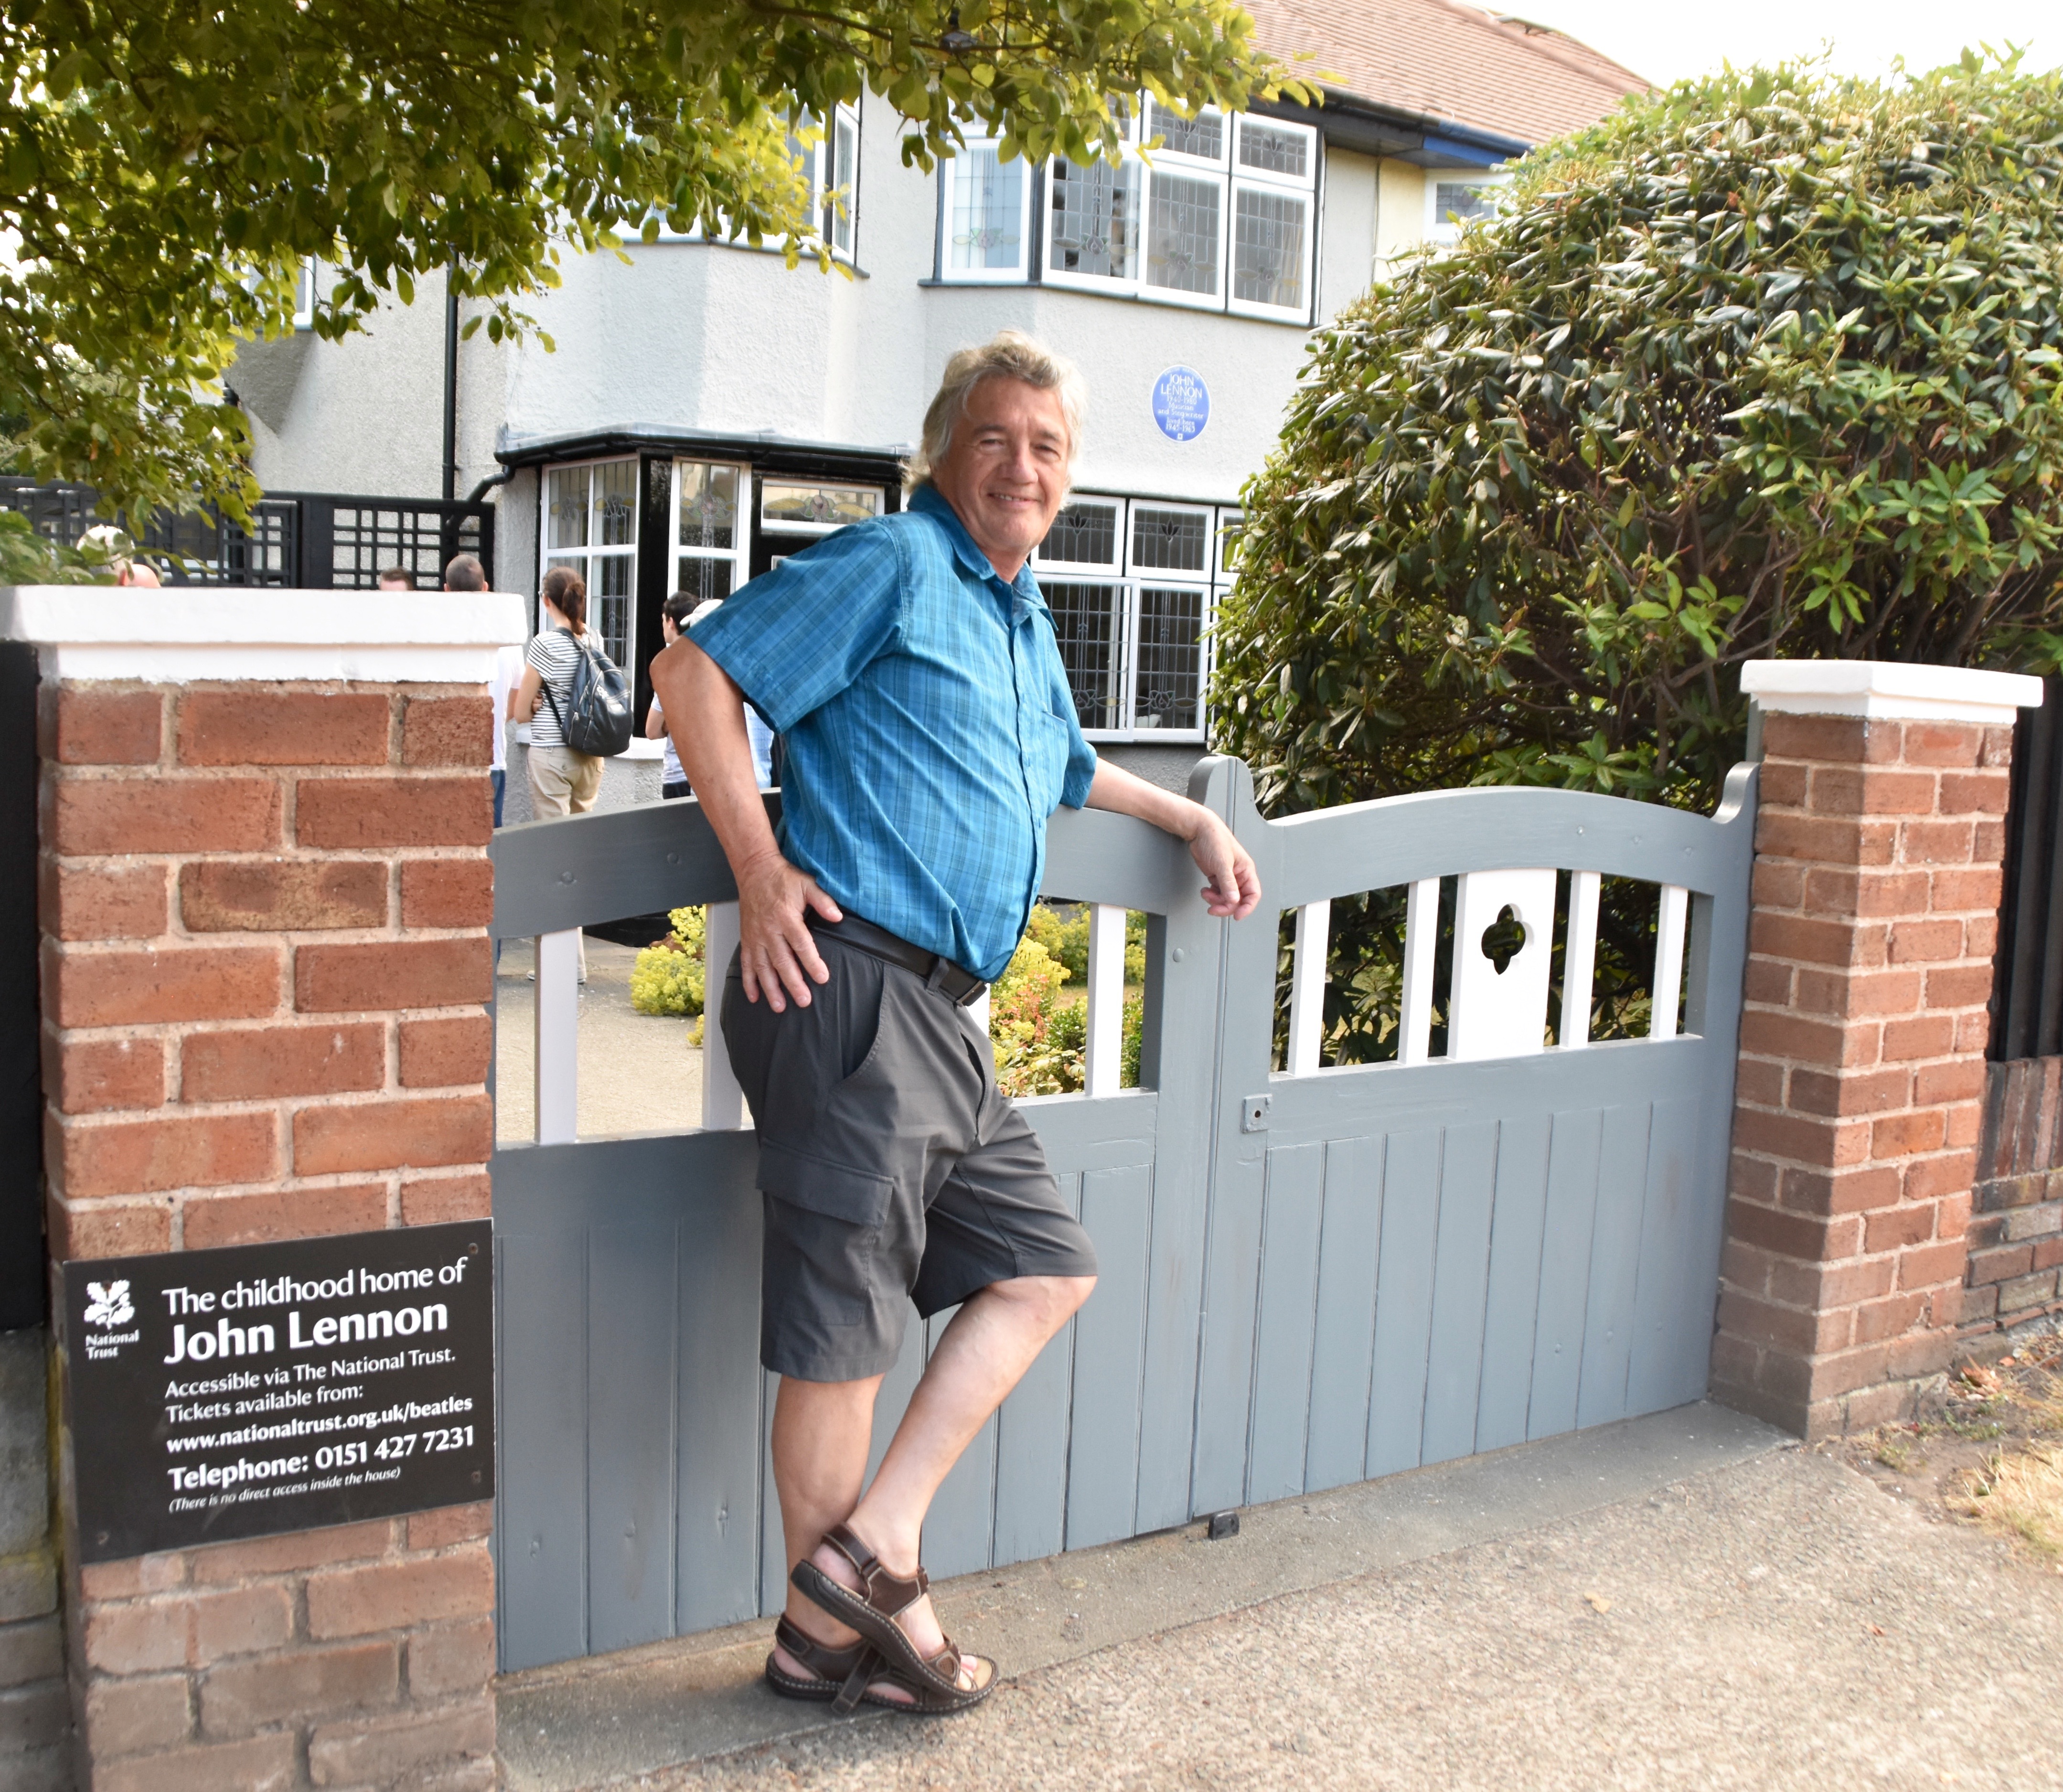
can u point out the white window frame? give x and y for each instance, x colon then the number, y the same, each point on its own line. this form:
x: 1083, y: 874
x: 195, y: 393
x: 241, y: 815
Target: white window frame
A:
x: 1150, y: 165
x: 952, y: 170
x: 1210, y: 582
x: 304, y: 294
x: 1441, y: 230
x: 587, y: 552
x: 822, y: 157
x: 738, y: 555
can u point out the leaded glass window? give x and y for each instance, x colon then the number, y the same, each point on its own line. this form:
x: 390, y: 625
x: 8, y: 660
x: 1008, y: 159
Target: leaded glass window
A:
x: 1215, y: 211
x: 1268, y: 246
x: 1093, y: 224
x: 1083, y: 534
x: 1171, y: 540
x: 1168, y: 685
x: 591, y: 525
x: 793, y: 508
x: 709, y: 533
x: 1183, y: 233
x: 986, y: 214
x: 1455, y: 201
x: 1085, y: 621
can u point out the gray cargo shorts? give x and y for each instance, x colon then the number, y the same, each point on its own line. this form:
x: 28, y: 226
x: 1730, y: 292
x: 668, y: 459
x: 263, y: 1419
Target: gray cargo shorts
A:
x: 891, y: 1168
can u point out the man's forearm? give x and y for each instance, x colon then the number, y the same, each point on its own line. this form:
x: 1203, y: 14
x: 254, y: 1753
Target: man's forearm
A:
x: 1116, y: 789
x: 705, y: 716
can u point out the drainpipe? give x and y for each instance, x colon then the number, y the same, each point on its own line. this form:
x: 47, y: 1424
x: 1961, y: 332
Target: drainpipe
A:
x: 451, y: 390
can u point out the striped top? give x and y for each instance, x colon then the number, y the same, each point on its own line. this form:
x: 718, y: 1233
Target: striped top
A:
x: 555, y: 658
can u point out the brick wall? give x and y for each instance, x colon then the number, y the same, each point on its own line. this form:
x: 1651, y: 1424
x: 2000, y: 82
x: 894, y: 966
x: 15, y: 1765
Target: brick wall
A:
x: 2016, y: 1273
x: 1862, y: 1069
x: 265, y: 964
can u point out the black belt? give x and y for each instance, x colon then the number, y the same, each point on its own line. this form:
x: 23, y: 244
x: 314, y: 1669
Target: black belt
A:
x: 938, y: 973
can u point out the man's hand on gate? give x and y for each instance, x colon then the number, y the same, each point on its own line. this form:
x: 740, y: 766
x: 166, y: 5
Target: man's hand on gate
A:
x: 776, y: 955
x: 1233, y: 885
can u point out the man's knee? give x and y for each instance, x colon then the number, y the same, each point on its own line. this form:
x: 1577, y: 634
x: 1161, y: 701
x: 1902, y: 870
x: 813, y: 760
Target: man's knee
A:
x: 1053, y: 1299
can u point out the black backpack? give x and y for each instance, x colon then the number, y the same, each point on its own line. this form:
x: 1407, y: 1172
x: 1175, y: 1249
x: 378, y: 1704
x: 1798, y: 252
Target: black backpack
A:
x: 597, y: 719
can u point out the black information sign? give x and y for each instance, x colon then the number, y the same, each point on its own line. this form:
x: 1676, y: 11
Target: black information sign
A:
x: 268, y: 1387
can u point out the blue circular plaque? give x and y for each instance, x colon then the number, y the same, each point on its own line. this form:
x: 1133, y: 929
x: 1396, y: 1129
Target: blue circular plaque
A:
x: 1181, y: 404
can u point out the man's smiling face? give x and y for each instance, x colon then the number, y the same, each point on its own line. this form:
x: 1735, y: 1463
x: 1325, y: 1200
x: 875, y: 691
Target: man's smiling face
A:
x: 1005, y: 472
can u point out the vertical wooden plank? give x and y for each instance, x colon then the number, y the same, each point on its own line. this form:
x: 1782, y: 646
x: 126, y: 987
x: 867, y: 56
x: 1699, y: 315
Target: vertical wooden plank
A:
x: 632, y: 1309
x: 1032, y: 1445
x: 958, y: 1527
x: 1608, y: 1317
x: 1579, y: 959
x: 1225, y: 1386
x: 723, y: 1102
x: 1422, y: 945
x: 1307, y: 987
x: 721, y: 1396
x: 1497, y: 1013
x: 1404, y: 1299
x: 1343, y: 1333
x: 1103, y: 1456
x: 1672, y: 1327
x: 1460, y: 1282
x: 557, y: 1058
x: 542, y: 1420
x: 1106, y: 997
x: 1291, y: 1224
x: 1517, y: 1222
x: 1565, y: 1272
x: 1668, y: 961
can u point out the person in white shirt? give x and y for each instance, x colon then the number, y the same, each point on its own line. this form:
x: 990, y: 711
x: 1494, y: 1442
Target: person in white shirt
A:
x: 681, y: 613
x: 501, y: 693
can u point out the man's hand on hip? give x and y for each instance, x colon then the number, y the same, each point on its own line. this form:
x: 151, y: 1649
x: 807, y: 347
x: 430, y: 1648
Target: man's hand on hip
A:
x: 776, y: 957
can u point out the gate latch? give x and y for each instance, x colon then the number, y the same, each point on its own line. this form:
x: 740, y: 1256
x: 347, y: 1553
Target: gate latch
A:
x: 1253, y: 1113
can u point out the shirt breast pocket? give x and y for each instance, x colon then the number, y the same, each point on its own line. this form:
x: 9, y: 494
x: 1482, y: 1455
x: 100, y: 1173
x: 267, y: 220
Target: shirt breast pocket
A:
x: 1045, y: 745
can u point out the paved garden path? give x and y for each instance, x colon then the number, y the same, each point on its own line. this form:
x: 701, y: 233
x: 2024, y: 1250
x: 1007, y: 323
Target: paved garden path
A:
x: 1765, y: 1616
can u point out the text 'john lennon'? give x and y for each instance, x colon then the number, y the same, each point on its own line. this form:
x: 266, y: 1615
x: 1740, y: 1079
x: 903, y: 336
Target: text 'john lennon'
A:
x: 201, y: 1345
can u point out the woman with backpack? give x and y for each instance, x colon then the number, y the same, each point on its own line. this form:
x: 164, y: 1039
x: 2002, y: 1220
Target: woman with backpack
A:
x: 563, y: 781
x: 571, y: 692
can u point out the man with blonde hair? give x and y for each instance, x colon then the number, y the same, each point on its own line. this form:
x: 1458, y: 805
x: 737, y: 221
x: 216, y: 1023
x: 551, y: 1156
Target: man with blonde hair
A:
x: 912, y: 668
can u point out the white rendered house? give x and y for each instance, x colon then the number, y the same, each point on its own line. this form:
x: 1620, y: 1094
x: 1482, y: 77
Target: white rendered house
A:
x: 709, y: 410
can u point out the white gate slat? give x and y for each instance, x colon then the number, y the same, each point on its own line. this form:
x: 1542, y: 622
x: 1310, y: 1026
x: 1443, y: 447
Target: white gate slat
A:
x: 1106, y: 993
x: 557, y: 1056
x: 1421, y: 942
x: 1307, y: 987
x: 1669, y: 960
x: 1579, y: 959
x: 723, y: 1102
x: 1494, y: 1014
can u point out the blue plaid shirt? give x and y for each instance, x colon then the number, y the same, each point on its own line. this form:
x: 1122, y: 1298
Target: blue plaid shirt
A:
x: 929, y: 727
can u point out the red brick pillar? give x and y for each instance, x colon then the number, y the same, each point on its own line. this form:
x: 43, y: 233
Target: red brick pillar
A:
x: 1878, y: 854
x: 265, y: 900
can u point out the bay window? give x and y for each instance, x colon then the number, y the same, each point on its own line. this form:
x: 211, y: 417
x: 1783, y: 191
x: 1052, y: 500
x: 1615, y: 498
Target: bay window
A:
x: 1218, y: 211
x: 591, y: 525
x: 1132, y: 583
x: 712, y: 540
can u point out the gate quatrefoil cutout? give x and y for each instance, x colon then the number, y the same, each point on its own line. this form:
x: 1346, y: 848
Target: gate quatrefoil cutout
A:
x: 1504, y: 938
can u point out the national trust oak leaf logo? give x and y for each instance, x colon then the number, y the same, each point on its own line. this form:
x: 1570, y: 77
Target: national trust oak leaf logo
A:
x: 107, y: 1304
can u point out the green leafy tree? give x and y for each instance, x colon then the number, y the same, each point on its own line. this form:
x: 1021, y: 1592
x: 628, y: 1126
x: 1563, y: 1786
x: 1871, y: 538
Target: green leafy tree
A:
x: 167, y: 169
x: 1770, y: 364
x: 1767, y: 364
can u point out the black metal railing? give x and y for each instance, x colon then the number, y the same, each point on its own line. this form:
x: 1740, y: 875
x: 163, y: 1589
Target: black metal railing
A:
x: 2027, y: 975
x: 309, y: 540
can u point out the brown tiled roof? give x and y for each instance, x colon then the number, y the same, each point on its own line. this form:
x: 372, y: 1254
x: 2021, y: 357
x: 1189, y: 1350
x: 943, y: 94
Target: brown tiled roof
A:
x: 1451, y: 61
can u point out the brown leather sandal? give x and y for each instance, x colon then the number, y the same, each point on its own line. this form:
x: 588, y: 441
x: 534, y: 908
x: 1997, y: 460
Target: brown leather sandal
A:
x: 842, y: 1676
x: 934, y: 1686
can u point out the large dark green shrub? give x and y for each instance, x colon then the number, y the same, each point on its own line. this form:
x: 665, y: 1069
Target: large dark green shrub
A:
x: 1768, y: 364
x: 1765, y: 364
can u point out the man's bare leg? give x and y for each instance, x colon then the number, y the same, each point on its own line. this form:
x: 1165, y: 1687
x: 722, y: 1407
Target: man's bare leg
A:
x: 984, y: 1353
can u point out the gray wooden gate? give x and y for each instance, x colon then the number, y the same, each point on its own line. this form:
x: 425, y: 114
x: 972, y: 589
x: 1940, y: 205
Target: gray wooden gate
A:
x: 1309, y: 1277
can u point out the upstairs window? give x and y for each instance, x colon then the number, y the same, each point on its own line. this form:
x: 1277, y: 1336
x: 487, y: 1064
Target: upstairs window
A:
x: 831, y: 159
x: 1217, y: 211
x: 1454, y: 199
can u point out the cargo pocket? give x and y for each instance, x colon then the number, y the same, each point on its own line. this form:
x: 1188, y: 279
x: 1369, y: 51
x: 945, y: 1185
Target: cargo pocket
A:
x: 818, y: 1186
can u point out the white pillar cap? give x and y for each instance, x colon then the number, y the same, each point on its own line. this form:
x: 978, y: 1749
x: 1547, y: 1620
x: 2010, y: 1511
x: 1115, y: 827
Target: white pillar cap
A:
x: 1888, y: 690
x: 182, y: 634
